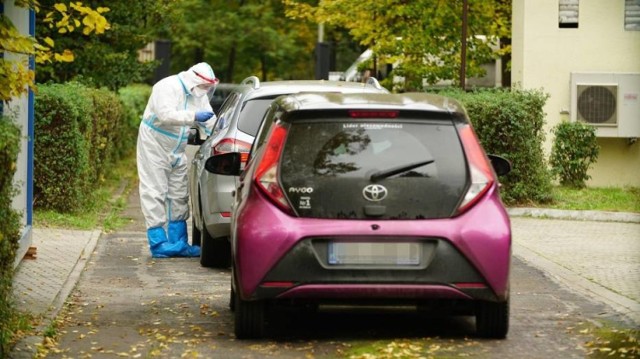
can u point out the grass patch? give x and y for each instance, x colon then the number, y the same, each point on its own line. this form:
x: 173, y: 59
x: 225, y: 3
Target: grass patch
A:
x: 613, y: 199
x: 411, y: 348
x: 613, y: 343
x: 18, y: 325
x: 109, y: 199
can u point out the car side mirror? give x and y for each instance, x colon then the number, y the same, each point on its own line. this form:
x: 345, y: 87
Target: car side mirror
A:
x: 501, y: 165
x: 227, y: 164
x: 194, y: 137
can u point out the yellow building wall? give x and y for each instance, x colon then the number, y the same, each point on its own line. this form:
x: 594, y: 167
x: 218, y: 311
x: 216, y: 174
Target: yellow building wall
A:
x: 544, y: 55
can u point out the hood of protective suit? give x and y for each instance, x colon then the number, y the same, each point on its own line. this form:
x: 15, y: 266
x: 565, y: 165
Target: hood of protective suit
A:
x: 199, y: 74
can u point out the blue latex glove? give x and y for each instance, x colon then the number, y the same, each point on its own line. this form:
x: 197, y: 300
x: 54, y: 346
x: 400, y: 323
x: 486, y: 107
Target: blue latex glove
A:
x: 202, y: 116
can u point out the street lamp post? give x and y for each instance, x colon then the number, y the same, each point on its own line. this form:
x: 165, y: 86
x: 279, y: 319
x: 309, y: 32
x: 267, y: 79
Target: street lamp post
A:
x: 463, y: 51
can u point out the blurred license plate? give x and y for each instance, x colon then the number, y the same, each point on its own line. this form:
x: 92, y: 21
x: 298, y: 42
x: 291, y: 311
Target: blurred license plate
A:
x: 397, y: 254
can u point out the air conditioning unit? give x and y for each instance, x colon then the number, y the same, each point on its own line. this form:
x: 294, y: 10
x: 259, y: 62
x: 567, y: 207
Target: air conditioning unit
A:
x: 608, y: 101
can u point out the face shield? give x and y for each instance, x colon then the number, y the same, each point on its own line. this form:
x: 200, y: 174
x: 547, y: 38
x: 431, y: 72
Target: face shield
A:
x: 207, y: 87
x: 202, y: 90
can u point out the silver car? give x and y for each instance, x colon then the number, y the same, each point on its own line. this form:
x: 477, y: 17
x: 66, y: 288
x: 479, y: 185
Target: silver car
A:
x: 238, y: 121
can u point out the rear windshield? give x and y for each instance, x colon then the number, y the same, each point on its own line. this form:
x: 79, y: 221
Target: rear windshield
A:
x: 252, y: 113
x: 420, y: 164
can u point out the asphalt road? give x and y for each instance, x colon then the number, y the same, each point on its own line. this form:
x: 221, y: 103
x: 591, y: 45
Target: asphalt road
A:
x: 129, y: 305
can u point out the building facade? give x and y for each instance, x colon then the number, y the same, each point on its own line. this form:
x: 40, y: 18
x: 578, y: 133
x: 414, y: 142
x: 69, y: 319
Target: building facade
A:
x: 586, y: 55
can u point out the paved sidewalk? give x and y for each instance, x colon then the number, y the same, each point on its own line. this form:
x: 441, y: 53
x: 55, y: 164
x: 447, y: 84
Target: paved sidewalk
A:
x: 41, y: 285
x: 594, y: 253
x: 600, y: 260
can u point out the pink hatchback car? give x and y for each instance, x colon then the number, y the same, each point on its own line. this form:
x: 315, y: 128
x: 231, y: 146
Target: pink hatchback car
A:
x: 369, y: 197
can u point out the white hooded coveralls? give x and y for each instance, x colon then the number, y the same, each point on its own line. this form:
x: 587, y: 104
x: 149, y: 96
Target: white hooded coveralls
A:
x: 162, y: 139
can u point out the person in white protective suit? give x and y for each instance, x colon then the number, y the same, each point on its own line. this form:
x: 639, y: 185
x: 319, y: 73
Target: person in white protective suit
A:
x: 177, y: 103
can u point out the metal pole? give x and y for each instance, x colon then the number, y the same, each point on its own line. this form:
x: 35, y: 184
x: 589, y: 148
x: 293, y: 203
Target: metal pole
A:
x: 463, y: 54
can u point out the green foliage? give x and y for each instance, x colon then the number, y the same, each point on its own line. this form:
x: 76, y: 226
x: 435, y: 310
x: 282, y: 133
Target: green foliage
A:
x: 109, y: 60
x: 575, y: 148
x: 509, y: 123
x: 134, y: 98
x: 15, y: 75
x: 422, y: 36
x: 242, y: 38
x: 80, y: 135
x: 61, y: 153
x: 9, y: 228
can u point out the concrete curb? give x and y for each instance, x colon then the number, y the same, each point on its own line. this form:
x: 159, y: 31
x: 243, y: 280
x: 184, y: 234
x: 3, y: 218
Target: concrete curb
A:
x: 575, y: 215
x: 74, y: 276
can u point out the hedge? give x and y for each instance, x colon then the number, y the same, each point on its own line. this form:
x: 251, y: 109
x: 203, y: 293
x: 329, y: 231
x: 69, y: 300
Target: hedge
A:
x: 9, y: 227
x: 509, y: 123
x: 134, y: 98
x: 61, y: 153
x: 80, y: 134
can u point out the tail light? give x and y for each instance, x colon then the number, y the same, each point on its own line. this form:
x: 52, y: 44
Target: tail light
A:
x: 482, y: 177
x: 266, y: 175
x: 232, y: 145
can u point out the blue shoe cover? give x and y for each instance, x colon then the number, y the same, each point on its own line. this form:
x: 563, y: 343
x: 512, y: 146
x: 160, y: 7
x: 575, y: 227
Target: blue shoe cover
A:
x: 160, y: 247
x: 178, y: 231
x: 191, y: 251
x: 156, y: 237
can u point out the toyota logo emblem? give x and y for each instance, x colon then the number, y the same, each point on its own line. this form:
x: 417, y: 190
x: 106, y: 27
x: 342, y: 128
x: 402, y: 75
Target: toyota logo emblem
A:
x: 374, y: 192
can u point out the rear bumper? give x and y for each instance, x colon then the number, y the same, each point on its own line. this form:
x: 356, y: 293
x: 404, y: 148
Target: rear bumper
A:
x: 278, y: 256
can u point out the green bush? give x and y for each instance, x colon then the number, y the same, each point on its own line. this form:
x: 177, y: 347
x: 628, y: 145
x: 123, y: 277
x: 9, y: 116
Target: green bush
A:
x: 107, y: 115
x: 61, y: 153
x: 9, y: 228
x: 134, y: 98
x: 509, y: 123
x: 575, y: 148
x: 80, y: 134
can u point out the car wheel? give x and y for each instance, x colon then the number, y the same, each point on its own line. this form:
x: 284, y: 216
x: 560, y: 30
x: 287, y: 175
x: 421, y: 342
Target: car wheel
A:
x: 214, y: 252
x: 249, y: 318
x: 195, y: 233
x: 492, y: 319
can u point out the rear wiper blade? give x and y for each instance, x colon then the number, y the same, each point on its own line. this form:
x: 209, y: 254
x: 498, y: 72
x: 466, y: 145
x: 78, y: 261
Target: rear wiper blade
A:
x: 395, y: 170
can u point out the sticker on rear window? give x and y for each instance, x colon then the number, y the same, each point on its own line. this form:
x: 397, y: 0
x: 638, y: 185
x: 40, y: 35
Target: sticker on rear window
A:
x: 372, y: 126
x: 305, y: 203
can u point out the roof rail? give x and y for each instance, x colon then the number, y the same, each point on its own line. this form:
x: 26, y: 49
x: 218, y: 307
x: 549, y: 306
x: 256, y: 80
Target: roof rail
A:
x: 251, y: 80
x: 374, y: 81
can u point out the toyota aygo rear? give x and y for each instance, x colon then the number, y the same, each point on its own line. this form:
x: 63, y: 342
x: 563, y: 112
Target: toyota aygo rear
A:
x: 369, y: 198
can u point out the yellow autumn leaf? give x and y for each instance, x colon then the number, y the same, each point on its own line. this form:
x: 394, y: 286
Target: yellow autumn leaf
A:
x: 62, y: 30
x: 76, y: 22
x: 43, y: 57
x: 49, y: 41
x: 103, y: 9
x: 60, y: 7
x: 65, y: 56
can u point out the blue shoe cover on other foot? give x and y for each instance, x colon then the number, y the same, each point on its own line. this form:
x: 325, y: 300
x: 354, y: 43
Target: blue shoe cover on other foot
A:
x: 191, y: 251
x: 178, y: 231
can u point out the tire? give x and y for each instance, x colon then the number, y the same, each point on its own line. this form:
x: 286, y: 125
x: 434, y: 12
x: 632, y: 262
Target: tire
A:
x: 492, y: 319
x: 195, y: 233
x: 249, y: 318
x: 232, y: 300
x: 214, y: 252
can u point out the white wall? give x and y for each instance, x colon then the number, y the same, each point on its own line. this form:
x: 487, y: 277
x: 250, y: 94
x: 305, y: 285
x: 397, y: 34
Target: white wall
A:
x: 544, y: 55
x: 19, y: 111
